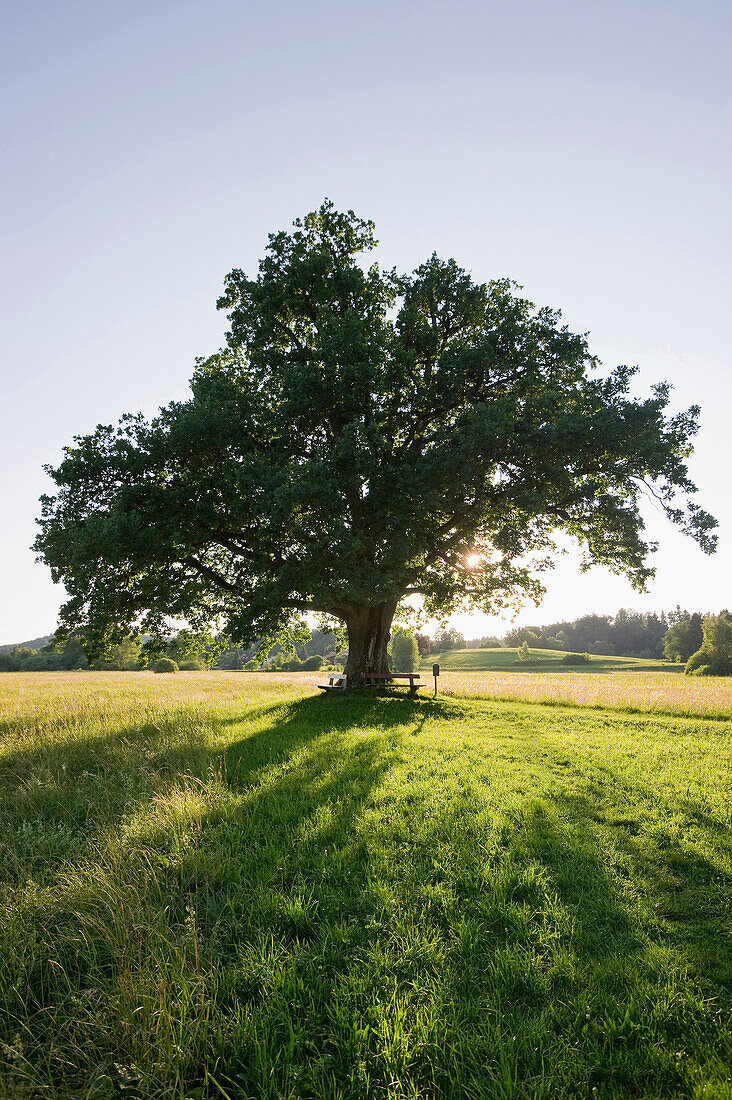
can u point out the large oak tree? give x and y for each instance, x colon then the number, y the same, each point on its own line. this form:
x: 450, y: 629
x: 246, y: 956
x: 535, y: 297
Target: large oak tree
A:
x: 363, y: 436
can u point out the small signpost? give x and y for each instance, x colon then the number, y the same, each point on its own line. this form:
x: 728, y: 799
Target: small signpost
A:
x: 435, y: 673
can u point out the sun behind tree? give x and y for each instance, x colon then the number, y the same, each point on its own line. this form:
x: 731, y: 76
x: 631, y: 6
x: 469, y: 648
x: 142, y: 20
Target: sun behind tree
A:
x: 363, y: 437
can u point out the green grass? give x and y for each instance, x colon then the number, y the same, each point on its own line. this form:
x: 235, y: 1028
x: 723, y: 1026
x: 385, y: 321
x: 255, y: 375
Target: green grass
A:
x: 225, y: 886
x: 548, y: 660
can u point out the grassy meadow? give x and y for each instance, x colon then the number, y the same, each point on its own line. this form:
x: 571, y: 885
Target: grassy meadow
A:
x: 225, y: 885
x: 634, y: 692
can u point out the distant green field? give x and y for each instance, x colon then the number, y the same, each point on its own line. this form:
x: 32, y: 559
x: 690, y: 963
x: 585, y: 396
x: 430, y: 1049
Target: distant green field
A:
x: 225, y: 885
x: 548, y: 660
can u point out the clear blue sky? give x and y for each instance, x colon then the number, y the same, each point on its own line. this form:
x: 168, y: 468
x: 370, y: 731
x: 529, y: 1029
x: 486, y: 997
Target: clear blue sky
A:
x: 581, y: 148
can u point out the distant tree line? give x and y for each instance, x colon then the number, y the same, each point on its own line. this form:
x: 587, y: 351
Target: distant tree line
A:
x: 125, y: 656
x: 702, y: 642
x: 676, y: 635
x: 714, y: 655
x: 323, y: 650
x: 66, y: 657
x: 188, y: 651
x: 627, y: 634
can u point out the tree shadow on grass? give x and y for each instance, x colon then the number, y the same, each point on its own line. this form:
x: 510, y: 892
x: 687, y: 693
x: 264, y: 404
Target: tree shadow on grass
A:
x: 60, y: 797
x: 531, y: 973
x: 690, y: 893
x: 282, y: 923
x: 590, y: 993
x: 246, y: 854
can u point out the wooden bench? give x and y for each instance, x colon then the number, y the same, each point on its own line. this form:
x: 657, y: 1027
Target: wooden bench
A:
x: 336, y: 682
x: 374, y: 678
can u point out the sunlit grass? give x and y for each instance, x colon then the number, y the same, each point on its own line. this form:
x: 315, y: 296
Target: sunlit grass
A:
x: 223, y: 884
x: 652, y: 692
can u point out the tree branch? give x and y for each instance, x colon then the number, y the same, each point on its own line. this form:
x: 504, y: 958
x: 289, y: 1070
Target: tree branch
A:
x: 213, y: 575
x: 288, y: 332
x: 225, y: 540
x: 336, y: 608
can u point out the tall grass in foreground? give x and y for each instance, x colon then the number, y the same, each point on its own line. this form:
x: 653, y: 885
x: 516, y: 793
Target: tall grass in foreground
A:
x: 223, y: 886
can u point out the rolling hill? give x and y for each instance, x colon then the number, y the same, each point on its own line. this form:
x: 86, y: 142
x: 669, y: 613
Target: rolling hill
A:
x: 548, y: 660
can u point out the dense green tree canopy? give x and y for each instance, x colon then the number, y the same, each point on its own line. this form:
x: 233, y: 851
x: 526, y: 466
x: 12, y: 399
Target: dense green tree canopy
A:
x: 714, y: 657
x: 404, y: 651
x: 683, y: 638
x: 363, y: 436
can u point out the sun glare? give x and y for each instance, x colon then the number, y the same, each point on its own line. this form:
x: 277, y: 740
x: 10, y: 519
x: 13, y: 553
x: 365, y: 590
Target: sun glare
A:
x: 473, y: 560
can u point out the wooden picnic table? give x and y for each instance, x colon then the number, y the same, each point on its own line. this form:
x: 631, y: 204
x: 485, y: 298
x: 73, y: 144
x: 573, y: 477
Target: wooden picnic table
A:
x: 413, y: 677
x: 337, y: 680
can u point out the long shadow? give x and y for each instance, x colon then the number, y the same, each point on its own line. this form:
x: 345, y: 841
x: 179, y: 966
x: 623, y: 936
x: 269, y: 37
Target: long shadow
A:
x: 613, y: 1002
x: 693, y: 894
x: 276, y: 923
x: 58, y: 798
x: 273, y: 866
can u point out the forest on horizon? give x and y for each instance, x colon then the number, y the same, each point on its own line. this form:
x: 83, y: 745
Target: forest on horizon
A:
x: 674, y: 635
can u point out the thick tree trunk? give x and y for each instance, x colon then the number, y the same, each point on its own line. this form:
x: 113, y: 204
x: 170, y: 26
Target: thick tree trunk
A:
x: 369, y: 630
